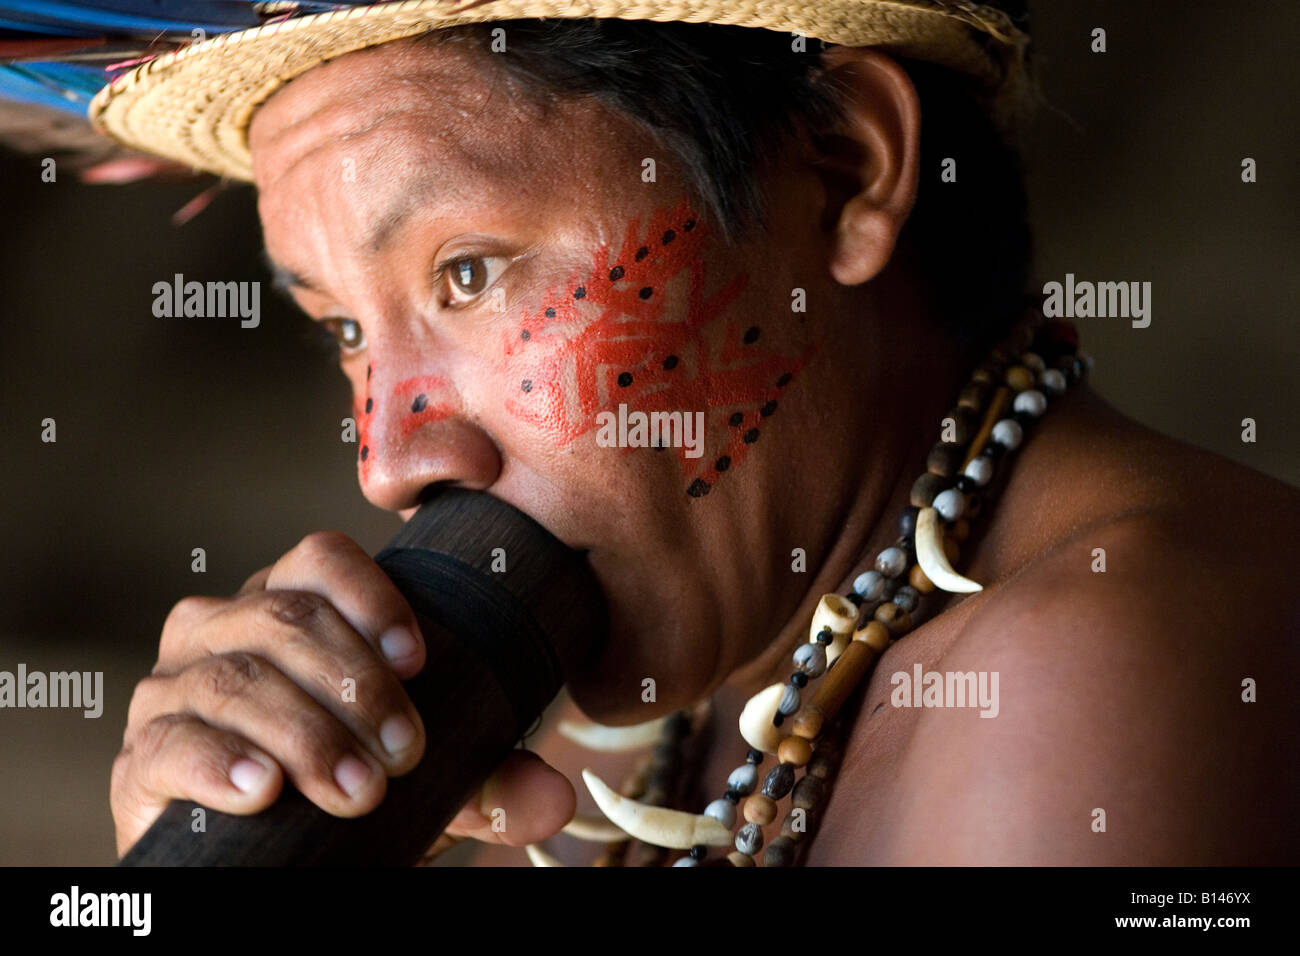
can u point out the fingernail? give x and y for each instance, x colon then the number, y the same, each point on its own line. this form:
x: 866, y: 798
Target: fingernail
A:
x: 247, y: 775
x: 397, y: 733
x: 398, y: 644
x: 351, y: 775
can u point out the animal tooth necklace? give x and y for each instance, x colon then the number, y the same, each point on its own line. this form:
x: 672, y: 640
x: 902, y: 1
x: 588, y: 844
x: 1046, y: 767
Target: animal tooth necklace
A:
x: 1030, y: 369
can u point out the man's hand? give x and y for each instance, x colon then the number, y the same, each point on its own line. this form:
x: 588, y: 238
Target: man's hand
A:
x: 249, y: 689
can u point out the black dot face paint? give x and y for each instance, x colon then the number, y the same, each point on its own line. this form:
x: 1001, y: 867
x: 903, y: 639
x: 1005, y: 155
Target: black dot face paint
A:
x: 670, y: 363
x: 767, y: 410
x: 646, y: 292
x: 751, y: 436
x: 580, y: 293
x: 525, y: 335
x: 736, y: 419
x: 723, y: 463
x: 624, y: 379
x: 784, y: 380
x: 370, y: 405
x: 699, y: 488
x: 365, y: 452
x: 420, y: 403
x: 526, y: 385
x: 669, y: 236
x: 642, y: 253
x: 615, y: 273
x: 751, y: 335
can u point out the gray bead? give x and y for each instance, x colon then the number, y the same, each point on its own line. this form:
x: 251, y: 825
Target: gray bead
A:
x: 1053, y: 380
x: 907, y: 598
x: 780, y: 852
x: 789, y: 703
x: 779, y: 780
x: 980, y: 470
x: 808, y: 793
x: 724, y: 811
x: 891, y: 562
x: 1008, y: 433
x: 686, y: 861
x: 787, y: 827
x: 749, y: 838
x: 1031, y: 401
x: 869, y: 585
x: 743, y: 779
x: 810, y: 659
x: 950, y: 504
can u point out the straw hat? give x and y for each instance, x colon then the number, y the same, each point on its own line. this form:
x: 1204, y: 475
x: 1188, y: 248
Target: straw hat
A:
x: 194, y: 105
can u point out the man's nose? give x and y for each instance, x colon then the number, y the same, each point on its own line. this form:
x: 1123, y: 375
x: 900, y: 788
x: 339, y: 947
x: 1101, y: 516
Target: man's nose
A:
x: 413, y: 433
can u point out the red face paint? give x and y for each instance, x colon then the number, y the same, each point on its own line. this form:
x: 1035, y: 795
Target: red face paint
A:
x: 413, y: 395
x: 607, y: 338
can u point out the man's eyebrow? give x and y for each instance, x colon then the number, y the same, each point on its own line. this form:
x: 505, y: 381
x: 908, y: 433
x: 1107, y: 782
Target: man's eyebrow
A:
x: 286, y: 280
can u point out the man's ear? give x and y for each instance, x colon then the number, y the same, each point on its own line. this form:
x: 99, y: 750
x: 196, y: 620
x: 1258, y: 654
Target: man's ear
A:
x: 869, y: 166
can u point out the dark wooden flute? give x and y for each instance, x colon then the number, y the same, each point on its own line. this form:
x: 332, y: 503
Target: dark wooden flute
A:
x: 500, y: 643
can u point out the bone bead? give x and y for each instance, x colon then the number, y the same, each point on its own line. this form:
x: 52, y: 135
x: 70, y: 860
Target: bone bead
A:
x: 1020, y: 378
x: 794, y: 750
x: 838, y: 613
x: 756, y: 719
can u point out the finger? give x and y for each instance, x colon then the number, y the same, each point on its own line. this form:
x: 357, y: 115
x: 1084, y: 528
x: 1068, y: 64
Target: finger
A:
x: 179, y: 757
x: 308, y: 642
x: 524, y: 801
x: 336, y: 567
x: 246, y: 695
x: 256, y: 582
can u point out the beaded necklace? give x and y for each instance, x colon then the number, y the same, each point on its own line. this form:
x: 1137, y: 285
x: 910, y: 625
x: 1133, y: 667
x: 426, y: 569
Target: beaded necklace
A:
x: 1031, y: 367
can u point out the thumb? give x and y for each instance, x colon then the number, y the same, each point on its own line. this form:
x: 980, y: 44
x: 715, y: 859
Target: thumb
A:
x: 524, y: 801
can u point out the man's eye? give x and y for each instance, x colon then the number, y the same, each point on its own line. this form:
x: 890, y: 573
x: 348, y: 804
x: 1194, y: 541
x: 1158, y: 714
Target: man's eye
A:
x: 470, y: 275
x: 348, y: 332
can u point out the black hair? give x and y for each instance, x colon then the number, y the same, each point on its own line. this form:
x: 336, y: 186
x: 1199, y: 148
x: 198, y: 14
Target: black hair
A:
x: 724, y: 101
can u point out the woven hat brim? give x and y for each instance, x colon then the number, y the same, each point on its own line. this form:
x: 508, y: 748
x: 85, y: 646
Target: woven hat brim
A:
x: 194, y: 105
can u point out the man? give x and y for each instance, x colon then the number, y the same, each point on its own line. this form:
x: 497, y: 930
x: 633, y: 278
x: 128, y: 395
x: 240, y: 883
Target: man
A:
x: 500, y: 270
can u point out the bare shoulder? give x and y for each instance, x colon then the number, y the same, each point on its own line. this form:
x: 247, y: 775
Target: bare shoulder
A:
x: 1146, y: 663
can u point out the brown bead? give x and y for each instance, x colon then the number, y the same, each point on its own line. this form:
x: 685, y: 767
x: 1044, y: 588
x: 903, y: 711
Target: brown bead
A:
x: 916, y: 577
x: 925, y: 488
x: 983, y: 376
x: 808, y: 722
x: 760, y: 809
x: 965, y: 421
x: 945, y: 458
x: 973, y: 396
x: 740, y: 859
x: 960, y: 531
x: 821, y: 765
x: 780, y: 852
x: 874, y: 634
x: 788, y: 831
x: 808, y: 793
x: 1020, y: 378
x: 893, y: 617
x: 795, y: 750
x: 849, y: 670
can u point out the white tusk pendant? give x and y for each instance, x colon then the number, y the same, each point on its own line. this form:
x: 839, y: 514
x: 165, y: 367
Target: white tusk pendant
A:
x: 657, y: 826
x: 594, y: 829
x: 539, y: 857
x: 612, y: 739
x: 930, y: 555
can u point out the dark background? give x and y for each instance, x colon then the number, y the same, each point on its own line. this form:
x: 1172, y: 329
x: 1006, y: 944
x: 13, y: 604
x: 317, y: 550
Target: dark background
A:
x: 182, y: 433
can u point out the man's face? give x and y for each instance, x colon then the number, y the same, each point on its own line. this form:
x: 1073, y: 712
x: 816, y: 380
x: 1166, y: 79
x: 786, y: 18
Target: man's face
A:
x: 503, y: 274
